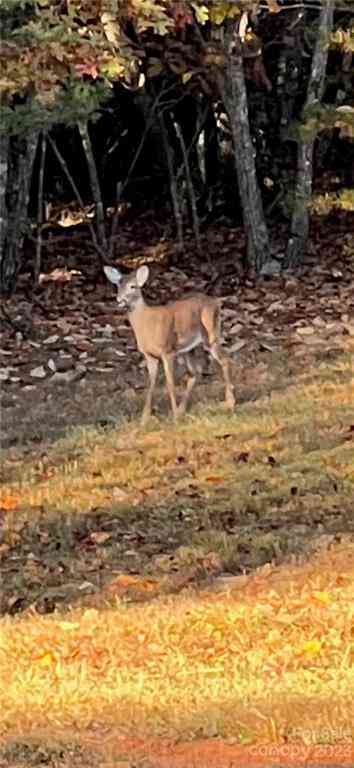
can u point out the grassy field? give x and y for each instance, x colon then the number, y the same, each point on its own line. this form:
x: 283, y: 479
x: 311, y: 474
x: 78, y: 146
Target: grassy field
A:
x: 190, y: 581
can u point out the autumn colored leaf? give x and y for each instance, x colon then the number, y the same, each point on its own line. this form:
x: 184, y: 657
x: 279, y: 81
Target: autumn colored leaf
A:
x: 126, y: 582
x: 201, y: 13
x: 8, y: 502
x: 322, y: 597
x: 87, y: 68
x: 46, y: 660
x: 312, y: 647
x: 273, y: 6
x: 214, y: 479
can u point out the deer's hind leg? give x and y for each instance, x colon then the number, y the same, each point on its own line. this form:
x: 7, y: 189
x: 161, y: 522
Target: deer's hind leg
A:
x: 225, y: 363
x: 211, y: 325
x: 191, y: 381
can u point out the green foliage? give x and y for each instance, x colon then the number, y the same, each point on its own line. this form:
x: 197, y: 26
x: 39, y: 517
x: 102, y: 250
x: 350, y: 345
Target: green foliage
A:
x: 13, y: 8
x: 77, y: 101
x: 45, y: 54
x: 60, y: 58
x: 344, y: 39
x: 318, y: 118
x: 14, y: 13
x: 336, y: 201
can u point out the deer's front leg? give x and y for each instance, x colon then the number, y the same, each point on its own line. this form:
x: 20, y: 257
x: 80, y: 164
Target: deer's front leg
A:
x: 168, y: 367
x: 153, y: 367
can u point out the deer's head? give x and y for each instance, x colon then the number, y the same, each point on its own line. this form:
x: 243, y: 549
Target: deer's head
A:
x: 128, y: 287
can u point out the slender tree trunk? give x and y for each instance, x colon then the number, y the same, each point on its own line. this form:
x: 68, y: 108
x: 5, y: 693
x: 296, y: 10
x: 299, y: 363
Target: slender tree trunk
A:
x: 233, y: 91
x: 187, y: 117
x: 211, y: 149
x: 190, y: 187
x: 21, y: 156
x: 149, y: 109
x: 40, y: 206
x: 95, y: 184
x: 79, y: 199
x: 174, y: 185
x: 4, y: 161
x: 299, y: 227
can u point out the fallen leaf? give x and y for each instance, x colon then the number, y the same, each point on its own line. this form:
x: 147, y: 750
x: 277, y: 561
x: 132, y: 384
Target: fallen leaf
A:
x: 39, y: 372
x: 119, y: 494
x: 69, y: 626
x: 322, y: 597
x: 125, y: 582
x: 312, y: 647
x: 235, y: 329
x: 47, y: 660
x: 100, y: 537
x: 8, y: 502
x: 237, y: 346
x: 214, y: 479
x: 267, y: 347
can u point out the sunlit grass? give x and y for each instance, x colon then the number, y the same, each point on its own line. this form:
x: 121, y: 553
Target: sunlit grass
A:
x: 169, y: 507
x: 250, y: 662
x: 306, y: 421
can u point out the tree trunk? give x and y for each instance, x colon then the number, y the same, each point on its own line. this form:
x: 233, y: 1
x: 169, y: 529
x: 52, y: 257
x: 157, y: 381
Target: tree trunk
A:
x: 95, y: 184
x: 21, y: 157
x: 186, y: 115
x: 211, y: 149
x: 299, y: 227
x: 234, y: 95
x: 176, y: 198
x: 190, y: 188
x: 40, y: 206
x: 4, y: 160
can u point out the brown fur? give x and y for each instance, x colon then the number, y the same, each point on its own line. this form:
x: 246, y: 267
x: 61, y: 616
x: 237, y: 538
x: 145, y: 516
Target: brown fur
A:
x: 168, y: 331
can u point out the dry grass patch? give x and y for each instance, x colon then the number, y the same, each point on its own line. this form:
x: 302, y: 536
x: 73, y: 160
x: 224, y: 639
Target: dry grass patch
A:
x: 266, y: 659
x: 217, y: 492
x: 105, y: 517
x: 82, y: 470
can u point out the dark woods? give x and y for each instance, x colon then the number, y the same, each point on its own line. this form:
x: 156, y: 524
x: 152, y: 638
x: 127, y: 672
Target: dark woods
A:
x: 202, y: 113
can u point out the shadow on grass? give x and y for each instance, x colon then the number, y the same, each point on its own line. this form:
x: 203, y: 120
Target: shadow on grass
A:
x: 45, y: 417
x: 54, y: 557
x: 217, y: 493
x: 33, y: 753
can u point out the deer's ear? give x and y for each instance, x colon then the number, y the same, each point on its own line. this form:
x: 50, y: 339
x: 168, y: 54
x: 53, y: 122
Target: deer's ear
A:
x: 142, y: 275
x: 113, y: 275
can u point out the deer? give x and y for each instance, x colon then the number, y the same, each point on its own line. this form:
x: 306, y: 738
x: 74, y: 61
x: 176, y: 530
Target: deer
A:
x: 169, y: 331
